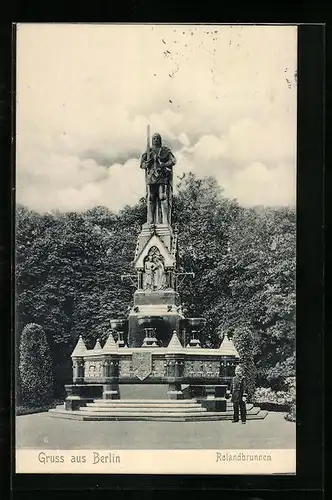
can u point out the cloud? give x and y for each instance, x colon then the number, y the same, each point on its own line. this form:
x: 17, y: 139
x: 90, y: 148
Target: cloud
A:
x: 258, y: 185
x: 224, y: 99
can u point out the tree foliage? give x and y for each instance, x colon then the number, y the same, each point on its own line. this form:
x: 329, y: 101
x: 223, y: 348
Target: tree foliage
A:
x: 35, y: 367
x: 263, y: 288
x: 244, y: 343
x: 69, y: 267
x: 204, y: 217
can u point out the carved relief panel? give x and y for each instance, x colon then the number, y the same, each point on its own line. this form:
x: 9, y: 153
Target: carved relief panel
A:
x: 158, y: 368
x: 93, y: 369
x: 125, y: 368
x: 154, y: 275
x: 200, y: 368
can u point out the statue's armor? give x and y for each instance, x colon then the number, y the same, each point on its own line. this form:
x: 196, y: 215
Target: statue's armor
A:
x: 156, y: 173
x: 158, y: 162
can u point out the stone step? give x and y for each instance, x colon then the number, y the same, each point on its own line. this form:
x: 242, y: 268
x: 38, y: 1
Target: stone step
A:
x: 71, y: 415
x: 253, y: 411
x: 155, y: 403
x: 156, y: 413
x: 230, y: 406
x: 62, y: 413
x: 115, y: 405
x: 118, y: 404
x: 144, y: 391
x: 143, y: 413
x: 208, y: 416
x: 144, y: 409
x: 147, y: 401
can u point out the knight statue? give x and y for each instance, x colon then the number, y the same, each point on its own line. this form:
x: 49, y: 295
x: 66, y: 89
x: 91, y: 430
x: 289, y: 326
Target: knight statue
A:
x: 158, y: 162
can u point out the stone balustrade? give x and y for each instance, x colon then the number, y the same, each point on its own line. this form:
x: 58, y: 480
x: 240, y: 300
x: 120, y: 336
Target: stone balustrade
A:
x: 112, y: 363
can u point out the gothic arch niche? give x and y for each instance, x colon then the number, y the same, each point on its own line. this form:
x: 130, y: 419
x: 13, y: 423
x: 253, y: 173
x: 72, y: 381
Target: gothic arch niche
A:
x: 154, y: 274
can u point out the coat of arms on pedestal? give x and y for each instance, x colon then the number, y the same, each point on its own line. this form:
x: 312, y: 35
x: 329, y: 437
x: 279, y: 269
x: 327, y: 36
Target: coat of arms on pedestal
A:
x: 142, y: 364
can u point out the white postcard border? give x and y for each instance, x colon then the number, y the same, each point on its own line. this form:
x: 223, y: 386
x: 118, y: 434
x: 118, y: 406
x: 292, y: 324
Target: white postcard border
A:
x: 250, y: 461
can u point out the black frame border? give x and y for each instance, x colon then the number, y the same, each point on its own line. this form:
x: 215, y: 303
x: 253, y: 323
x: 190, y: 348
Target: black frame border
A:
x: 310, y: 298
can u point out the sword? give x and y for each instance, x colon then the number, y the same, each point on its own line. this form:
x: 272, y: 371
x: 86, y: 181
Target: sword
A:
x: 148, y: 144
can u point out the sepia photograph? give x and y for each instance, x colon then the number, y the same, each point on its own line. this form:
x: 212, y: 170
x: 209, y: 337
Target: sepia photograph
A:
x: 155, y: 248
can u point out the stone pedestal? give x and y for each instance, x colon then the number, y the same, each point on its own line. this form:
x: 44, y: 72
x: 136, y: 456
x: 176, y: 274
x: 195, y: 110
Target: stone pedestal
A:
x: 163, y: 309
x: 111, y: 376
x: 156, y: 297
x: 174, y: 373
x: 174, y: 391
x: 155, y: 344
x: 211, y: 397
x: 213, y: 404
x: 150, y: 339
x: 217, y: 391
x: 163, y: 231
x: 208, y: 391
x: 80, y: 394
x: 194, y: 343
x: 111, y: 391
x: 74, y: 403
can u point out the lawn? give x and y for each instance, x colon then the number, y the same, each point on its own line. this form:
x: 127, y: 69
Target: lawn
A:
x: 45, y: 432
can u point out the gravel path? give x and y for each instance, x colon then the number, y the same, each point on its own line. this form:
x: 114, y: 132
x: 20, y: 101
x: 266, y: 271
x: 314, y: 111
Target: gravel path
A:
x: 43, y: 431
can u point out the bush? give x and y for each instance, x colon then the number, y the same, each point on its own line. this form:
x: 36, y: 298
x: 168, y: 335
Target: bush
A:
x: 291, y: 389
x: 244, y: 344
x: 266, y: 395
x: 278, y: 376
x: 35, y: 367
x: 291, y: 415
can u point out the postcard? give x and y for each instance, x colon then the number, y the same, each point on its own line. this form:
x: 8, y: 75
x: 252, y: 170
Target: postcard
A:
x: 155, y: 248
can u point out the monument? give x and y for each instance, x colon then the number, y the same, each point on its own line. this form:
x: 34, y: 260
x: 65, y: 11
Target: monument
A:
x: 158, y: 162
x: 156, y: 300
x: 156, y: 344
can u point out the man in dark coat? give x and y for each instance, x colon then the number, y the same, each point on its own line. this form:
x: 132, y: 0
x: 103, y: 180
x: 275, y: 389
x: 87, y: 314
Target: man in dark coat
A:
x: 238, y: 391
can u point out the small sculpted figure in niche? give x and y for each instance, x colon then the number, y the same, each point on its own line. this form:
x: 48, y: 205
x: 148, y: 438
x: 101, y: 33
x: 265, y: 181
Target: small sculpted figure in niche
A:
x: 148, y: 276
x: 92, y: 371
x: 158, y: 162
x: 160, y: 276
x: 154, y: 276
x: 99, y: 370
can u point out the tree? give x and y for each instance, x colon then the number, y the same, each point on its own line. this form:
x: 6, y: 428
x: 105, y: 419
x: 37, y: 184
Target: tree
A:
x: 261, y: 281
x: 69, y: 267
x: 68, y: 277
x: 35, y: 367
x: 244, y: 344
x: 204, y: 217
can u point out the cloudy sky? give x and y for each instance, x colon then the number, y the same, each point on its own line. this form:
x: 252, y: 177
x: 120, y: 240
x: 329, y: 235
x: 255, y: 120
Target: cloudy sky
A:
x: 223, y: 97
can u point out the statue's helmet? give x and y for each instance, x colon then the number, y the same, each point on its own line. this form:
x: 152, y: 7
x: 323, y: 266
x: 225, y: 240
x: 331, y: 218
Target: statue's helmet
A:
x: 156, y: 140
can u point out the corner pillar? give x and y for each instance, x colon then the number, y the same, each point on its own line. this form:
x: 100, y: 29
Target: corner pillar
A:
x: 111, y: 388
x: 174, y: 374
x: 78, y: 370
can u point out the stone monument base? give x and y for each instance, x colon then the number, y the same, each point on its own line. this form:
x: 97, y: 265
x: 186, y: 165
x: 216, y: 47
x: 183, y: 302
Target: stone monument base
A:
x: 162, y: 308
